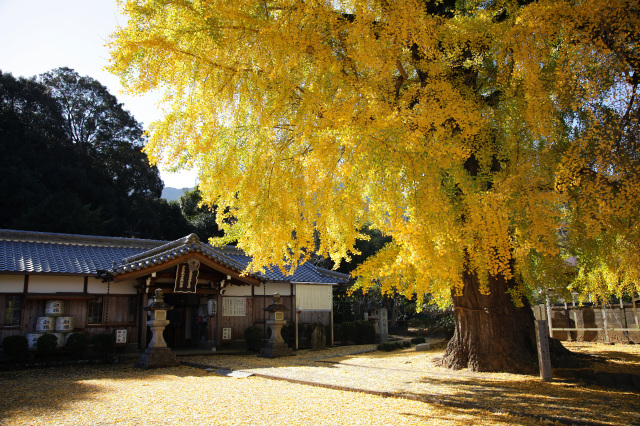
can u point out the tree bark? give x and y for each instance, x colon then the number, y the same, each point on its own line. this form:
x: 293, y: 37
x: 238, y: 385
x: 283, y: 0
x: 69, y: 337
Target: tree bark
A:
x: 491, y: 333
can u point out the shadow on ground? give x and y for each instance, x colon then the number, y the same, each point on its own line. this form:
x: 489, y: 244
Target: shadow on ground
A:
x: 50, y: 389
x: 568, y: 403
x: 564, y: 400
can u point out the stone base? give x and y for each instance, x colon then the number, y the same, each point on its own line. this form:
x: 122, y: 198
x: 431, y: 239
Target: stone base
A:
x: 274, y: 350
x: 424, y: 347
x: 157, y: 358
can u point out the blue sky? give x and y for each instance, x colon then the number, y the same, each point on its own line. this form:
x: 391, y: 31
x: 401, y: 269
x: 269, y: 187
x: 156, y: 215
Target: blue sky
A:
x: 39, y: 35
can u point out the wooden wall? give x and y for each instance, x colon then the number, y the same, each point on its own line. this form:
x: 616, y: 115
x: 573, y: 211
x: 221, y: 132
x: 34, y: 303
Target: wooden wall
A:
x: 116, y: 311
x: 77, y: 308
x: 308, y: 317
x: 237, y: 324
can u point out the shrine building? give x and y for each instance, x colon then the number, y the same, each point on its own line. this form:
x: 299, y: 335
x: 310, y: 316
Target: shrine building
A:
x: 102, y: 285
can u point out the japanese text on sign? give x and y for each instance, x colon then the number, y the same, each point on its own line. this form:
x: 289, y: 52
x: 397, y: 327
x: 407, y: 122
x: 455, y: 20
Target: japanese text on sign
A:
x: 234, y: 306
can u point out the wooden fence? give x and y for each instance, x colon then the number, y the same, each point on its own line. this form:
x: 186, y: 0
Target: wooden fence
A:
x: 607, y: 323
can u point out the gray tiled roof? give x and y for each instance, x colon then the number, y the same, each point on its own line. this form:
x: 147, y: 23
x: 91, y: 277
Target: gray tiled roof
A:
x: 38, y: 252
x: 305, y: 273
x: 171, y: 250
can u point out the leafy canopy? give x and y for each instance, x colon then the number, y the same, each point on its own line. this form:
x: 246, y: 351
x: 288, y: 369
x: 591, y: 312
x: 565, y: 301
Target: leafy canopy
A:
x: 471, y: 132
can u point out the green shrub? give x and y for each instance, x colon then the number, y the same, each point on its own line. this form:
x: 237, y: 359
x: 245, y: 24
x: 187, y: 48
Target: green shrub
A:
x: 103, y: 344
x: 406, y: 344
x: 447, y: 323
x: 287, y: 332
x: 304, y: 332
x: 365, y: 332
x: 77, y: 344
x: 253, y: 338
x: 349, y: 332
x: 308, y: 329
x: 337, y: 333
x: 47, y: 344
x: 417, y: 340
x: 16, y: 347
x: 421, y: 323
x: 389, y: 346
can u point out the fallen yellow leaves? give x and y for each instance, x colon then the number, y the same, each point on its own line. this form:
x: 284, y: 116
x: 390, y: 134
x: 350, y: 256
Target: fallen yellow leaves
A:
x: 122, y: 394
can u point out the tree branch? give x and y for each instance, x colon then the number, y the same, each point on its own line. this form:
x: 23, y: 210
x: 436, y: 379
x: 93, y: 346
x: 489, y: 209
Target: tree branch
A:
x: 403, y: 77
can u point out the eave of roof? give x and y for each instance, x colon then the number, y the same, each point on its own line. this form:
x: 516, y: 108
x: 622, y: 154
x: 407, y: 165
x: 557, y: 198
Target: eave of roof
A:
x: 68, y: 254
x: 167, y: 254
x: 204, y: 260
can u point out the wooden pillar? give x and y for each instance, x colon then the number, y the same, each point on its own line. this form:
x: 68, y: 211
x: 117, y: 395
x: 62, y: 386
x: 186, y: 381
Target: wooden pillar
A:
x: 605, y: 322
x: 623, y: 314
x: 211, y: 319
x: 549, y: 321
x: 575, y: 316
x: 635, y: 310
x: 146, y: 286
x: 331, y: 317
x: 295, y: 307
x: 544, y: 357
x: 218, y: 322
x: 142, y: 342
x: 568, y: 321
x: 24, y: 327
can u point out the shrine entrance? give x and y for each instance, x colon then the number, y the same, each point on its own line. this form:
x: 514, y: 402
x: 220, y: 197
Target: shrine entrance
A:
x: 192, y: 323
x: 193, y: 277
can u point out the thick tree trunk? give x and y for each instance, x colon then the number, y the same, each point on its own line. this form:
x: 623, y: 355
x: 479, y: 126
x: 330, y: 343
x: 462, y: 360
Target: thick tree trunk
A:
x: 491, y: 334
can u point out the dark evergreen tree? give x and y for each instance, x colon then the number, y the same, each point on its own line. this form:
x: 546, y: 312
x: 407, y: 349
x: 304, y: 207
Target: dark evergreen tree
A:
x: 201, y: 219
x: 39, y: 164
x: 72, y: 162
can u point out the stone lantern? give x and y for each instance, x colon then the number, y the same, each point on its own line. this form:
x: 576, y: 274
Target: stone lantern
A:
x: 276, y: 345
x: 157, y: 353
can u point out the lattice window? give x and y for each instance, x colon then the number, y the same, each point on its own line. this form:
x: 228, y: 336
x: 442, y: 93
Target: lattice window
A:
x: 13, y: 311
x: 95, y: 311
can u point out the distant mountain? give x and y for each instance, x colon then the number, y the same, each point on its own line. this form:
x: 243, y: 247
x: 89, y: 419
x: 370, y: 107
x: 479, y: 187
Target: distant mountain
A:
x: 173, y: 194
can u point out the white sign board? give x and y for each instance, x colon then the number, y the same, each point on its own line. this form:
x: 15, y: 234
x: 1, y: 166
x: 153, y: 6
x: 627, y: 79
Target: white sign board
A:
x: 121, y: 336
x: 314, y: 297
x: 234, y: 307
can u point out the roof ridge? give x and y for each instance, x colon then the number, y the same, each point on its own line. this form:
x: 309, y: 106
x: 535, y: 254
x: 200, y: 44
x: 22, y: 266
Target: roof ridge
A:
x: 75, y: 239
x: 189, y: 239
x: 229, y: 249
x: 168, y: 251
x: 332, y: 273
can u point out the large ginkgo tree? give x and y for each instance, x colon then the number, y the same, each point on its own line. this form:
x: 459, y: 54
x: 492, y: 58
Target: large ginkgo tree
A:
x: 490, y: 139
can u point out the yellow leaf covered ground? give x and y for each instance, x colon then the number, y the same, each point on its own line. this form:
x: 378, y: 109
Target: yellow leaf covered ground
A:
x: 122, y: 394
